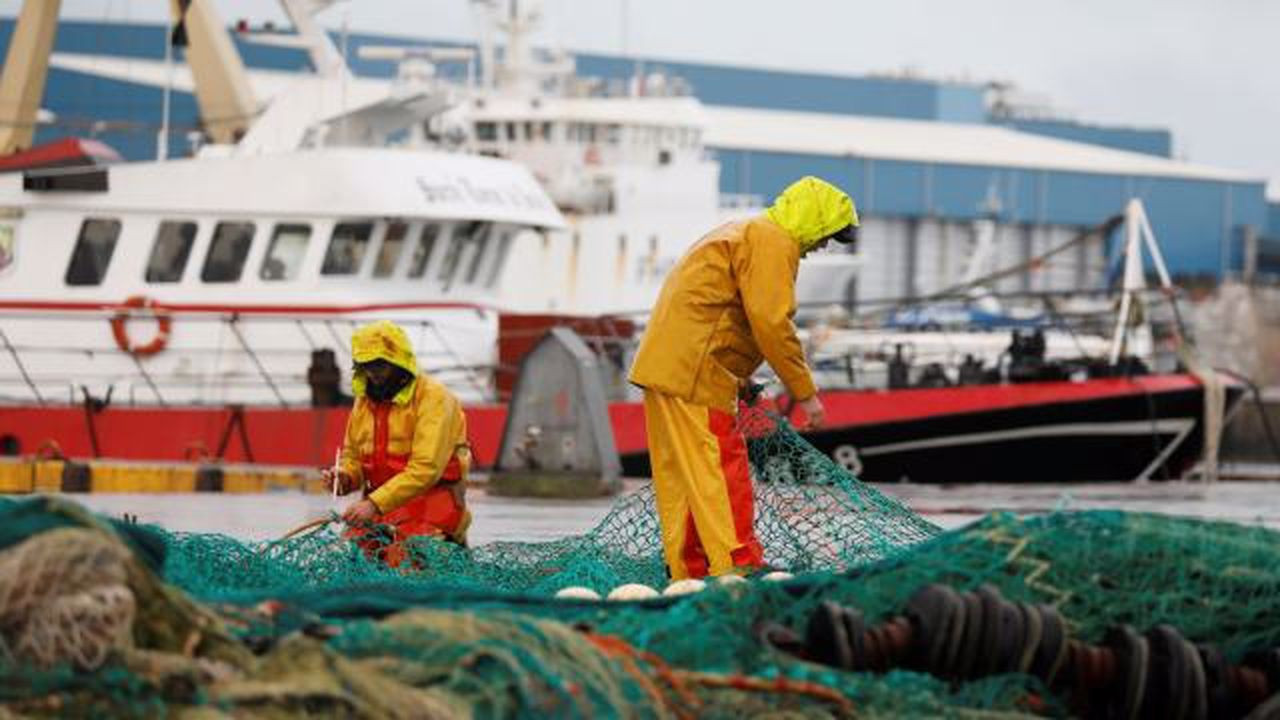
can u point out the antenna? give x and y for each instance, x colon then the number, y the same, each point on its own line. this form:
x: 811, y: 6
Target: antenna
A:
x: 636, y: 86
x: 483, y: 12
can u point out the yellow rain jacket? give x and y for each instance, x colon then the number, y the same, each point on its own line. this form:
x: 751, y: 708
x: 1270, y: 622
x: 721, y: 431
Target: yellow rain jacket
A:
x: 729, y: 303
x: 425, y: 430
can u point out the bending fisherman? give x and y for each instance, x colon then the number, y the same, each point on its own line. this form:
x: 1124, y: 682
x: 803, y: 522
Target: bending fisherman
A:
x: 726, y: 306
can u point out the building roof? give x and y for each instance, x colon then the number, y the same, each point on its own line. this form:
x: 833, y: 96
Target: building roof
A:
x: 680, y: 111
x: 935, y: 142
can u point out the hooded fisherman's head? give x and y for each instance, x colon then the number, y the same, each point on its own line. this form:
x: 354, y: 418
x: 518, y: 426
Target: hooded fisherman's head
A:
x: 815, y: 212
x: 385, y: 366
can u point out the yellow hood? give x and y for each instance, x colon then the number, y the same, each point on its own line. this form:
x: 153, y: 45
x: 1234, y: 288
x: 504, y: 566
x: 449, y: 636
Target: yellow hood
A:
x: 811, y: 209
x: 383, y: 340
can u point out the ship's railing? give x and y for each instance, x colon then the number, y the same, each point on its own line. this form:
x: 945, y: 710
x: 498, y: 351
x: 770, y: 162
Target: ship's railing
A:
x: 851, y: 345
x: 53, y: 357
x: 901, y: 342
x: 219, y: 358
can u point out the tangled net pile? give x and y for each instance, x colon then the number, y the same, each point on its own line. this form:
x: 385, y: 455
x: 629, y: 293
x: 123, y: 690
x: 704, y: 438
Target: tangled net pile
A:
x: 101, y: 617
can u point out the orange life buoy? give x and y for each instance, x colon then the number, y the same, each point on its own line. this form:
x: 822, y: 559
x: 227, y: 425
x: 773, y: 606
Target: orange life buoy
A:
x: 164, y: 322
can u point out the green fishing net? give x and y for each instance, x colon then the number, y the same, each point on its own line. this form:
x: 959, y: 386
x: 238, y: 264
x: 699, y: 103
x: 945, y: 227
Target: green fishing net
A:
x: 135, y: 620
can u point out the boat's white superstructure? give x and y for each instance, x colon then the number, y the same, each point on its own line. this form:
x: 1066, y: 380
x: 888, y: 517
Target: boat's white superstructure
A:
x: 628, y: 166
x: 254, y: 261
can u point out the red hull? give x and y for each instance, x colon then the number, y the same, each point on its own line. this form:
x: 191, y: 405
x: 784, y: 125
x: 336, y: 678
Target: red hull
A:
x: 306, y: 436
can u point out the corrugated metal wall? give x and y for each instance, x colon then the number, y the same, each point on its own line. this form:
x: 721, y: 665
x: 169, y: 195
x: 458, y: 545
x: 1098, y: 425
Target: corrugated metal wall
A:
x: 1200, y: 223
x: 912, y: 257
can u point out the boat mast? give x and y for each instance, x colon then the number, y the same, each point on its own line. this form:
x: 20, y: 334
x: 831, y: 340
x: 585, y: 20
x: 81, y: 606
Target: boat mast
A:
x: 227, y: 105
x: 325, y: 57
x: 25, y: 69
x: 1137, y: 232
x: 171, y: 38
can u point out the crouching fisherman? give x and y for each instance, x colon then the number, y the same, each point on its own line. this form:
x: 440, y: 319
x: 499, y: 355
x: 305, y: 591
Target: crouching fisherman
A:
x: 405, y: 448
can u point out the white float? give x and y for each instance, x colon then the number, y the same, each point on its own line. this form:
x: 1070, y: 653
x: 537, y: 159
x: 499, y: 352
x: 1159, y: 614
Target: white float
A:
x: 777, y: 576
x: 685, y: 587
x: 632, y: 591
x: 577, y: 592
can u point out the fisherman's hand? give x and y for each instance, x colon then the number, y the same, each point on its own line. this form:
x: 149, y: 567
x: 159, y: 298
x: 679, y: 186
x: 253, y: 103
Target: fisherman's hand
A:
x: 749, y: 391
x: 345, y: 484
x: 361, y: 513
x: 815, y: 414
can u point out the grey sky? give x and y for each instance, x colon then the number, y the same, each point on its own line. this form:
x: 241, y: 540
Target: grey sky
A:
x: 1206, y: 70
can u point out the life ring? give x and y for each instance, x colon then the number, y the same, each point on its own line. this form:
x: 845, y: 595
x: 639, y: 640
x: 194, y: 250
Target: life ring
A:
x: 50, y: 450
x: 164, y: 323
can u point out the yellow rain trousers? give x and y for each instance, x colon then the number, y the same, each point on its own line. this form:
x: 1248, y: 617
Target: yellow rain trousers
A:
x: 702, y: 483
x: 725, y: 307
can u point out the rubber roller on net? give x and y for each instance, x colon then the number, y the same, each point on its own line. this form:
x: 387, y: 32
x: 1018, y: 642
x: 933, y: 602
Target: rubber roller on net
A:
x: 961, y: 636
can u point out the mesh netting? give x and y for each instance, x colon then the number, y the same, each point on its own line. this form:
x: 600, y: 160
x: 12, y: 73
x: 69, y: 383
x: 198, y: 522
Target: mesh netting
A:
x: 312, y: 626
x: 811, y: 515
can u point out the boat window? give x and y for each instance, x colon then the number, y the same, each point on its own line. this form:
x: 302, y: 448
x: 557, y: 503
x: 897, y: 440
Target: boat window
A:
x: 571, y: 132
x: 346, y: 248
x: 422, y: 251
x: 461, y: 237
x: 612, y: 134
x: 545, y: 133
x: 285, y: 253
x: 451, y: 254
x: 227, y: 252
x: 499, y: 258
x: 486, y: 131
x: 169, y: 254
x: 528, y: 130
x: 511, y: 131
x: 92, y: 253
x: 392, y: 246
x: 481, y: 241
x: 590, y: 132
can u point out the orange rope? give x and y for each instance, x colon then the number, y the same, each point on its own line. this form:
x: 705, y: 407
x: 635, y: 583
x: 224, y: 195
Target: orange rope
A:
x: 777, y: 685
x: 626, y: 655
x: 680, y: 679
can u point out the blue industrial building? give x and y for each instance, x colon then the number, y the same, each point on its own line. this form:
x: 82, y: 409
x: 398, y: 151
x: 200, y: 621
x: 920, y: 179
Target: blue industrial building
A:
x: 1205, y: 217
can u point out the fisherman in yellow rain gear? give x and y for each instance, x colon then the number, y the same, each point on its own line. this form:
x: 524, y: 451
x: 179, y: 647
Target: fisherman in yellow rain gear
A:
x: 727, y: 305
x: 405, y: 446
